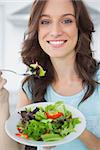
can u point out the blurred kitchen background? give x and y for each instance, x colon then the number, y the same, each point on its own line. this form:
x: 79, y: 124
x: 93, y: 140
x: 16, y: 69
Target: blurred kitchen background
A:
x: 14, y: 16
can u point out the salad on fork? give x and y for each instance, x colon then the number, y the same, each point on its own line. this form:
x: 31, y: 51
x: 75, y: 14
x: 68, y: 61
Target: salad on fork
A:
x: 33, y: 69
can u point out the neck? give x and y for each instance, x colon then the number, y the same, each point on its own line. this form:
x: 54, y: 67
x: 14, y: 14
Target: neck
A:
x: 64, y: 68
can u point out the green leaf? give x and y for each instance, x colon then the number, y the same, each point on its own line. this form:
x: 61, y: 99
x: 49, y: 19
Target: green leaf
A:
x: 42, y: 72
x: 40, y: 115
x: 51, y: 137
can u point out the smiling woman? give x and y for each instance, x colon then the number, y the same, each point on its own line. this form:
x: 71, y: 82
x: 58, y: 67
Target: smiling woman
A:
x: 59, y: 38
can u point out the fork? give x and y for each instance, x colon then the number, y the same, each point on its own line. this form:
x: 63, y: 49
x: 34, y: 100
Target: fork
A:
x: 14, y: 72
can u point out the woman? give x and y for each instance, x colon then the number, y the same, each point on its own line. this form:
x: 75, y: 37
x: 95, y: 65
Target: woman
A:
x: 5, y: 141
x: 59, y: 37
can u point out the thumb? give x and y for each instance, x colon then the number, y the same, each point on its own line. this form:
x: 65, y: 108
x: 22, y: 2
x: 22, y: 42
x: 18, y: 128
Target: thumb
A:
x: 2, y: 82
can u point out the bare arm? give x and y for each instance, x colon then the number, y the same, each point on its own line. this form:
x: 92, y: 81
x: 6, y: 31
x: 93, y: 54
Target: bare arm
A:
x: 23, y: 100
x: 90, y: 140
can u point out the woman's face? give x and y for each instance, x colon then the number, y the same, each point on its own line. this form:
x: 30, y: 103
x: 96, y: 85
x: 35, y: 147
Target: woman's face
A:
x: 57, y: 32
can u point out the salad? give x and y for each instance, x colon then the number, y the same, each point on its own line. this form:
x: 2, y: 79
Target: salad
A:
x: 51, y: 123
x: 36, y: 70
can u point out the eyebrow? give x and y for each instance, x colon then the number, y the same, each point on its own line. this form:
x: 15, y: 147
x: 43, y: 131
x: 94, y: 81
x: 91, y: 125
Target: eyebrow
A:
x: 64, y: 15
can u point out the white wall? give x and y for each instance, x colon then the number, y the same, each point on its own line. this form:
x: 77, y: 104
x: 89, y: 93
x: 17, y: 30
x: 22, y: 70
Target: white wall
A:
x: 10, y: 47
x: 12, y: 60
x: 96, y: 42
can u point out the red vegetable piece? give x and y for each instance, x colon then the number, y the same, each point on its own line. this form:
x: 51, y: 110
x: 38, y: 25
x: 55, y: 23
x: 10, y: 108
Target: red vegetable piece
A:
x: 54, y: 116
x: 22, y: 135
x: 20, y: 129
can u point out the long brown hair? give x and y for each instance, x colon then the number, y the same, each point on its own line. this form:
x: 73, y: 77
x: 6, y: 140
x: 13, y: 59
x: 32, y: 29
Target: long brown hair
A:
x: 32, y: 52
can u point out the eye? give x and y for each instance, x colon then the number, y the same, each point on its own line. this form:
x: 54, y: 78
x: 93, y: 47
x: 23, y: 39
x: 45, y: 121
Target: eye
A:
x: 44, y: 22
x: 67, y: 21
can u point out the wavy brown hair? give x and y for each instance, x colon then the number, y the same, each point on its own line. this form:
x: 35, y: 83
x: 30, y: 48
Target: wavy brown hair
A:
x: 85, y: 63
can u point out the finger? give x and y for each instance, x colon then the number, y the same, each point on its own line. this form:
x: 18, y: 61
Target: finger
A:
x: 2, y: 83
x: 1, y: 79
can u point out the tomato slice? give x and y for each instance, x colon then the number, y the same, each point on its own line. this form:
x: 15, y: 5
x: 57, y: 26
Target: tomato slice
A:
x: 54, y: 116
x: 22, y: 135
x: 18, y: 134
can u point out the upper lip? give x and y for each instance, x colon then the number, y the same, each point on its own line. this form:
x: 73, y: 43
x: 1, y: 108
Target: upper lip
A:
x: 56, y: 40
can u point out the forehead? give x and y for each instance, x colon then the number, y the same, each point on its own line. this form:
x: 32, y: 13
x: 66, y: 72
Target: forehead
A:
x: 58, y: 7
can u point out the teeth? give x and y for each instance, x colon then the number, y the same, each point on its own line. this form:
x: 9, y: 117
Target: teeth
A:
x: 56, y: 42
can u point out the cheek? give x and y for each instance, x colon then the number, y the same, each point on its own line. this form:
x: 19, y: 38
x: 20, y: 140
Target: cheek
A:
x: 73, y: 33
x: 42, y: 32
x: 41, y: 38
x: 73, y: 36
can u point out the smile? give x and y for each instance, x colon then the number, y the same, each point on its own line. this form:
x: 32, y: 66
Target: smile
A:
x: 57, y: 43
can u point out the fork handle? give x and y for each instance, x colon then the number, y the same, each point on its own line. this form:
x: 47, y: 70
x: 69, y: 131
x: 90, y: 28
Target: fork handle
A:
x: 8, y: 70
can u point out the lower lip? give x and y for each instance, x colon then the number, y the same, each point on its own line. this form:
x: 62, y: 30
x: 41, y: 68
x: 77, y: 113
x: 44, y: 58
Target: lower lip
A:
x: 57, y: 45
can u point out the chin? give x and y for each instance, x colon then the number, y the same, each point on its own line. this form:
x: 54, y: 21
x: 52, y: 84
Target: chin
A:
x: 56, y: 56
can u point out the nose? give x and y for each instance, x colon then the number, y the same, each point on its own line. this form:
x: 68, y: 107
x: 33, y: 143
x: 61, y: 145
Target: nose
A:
x: 56, y: 30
